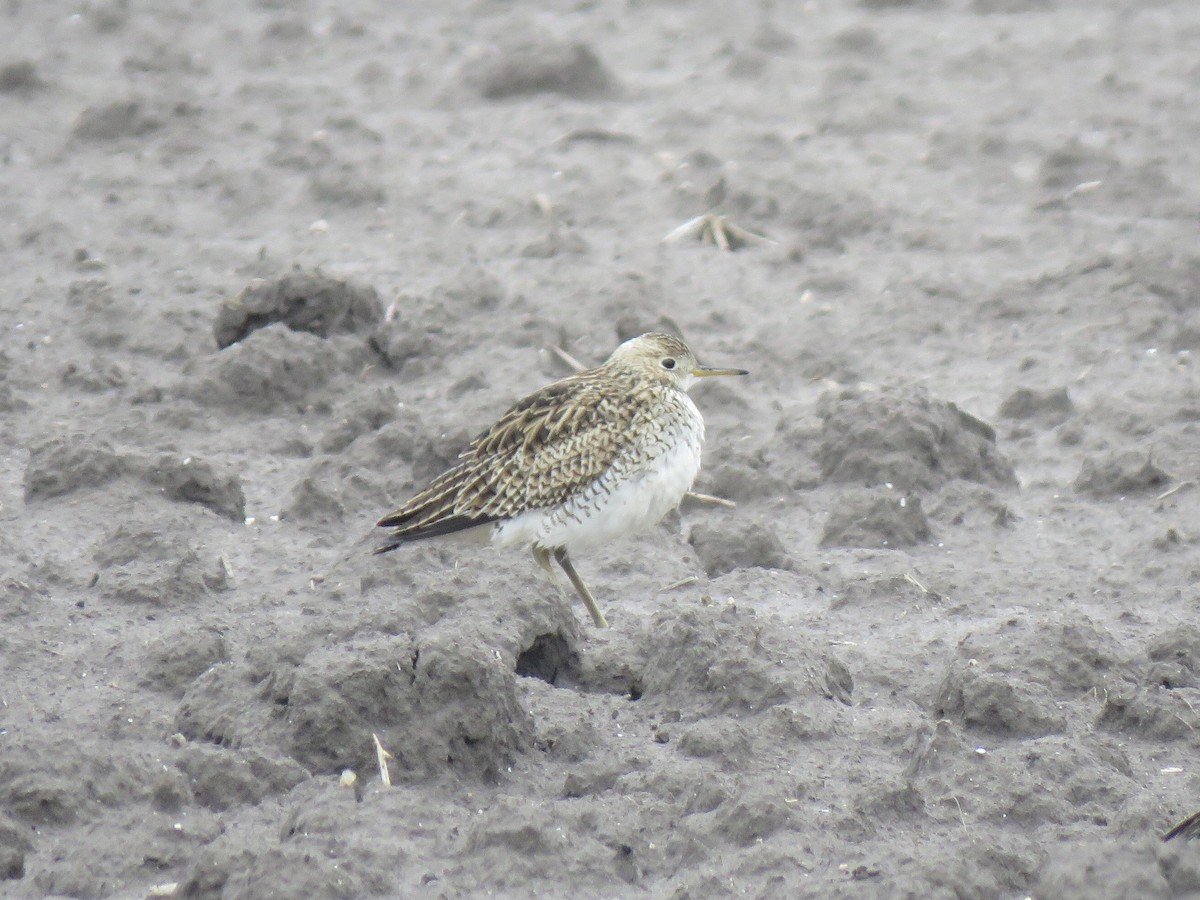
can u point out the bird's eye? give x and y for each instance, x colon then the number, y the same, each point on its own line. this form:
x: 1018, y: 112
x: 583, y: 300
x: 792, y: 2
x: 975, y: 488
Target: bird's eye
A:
x: 668, y: 363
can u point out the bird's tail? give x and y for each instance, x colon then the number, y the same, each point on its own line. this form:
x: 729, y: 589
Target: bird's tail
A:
x: 434, y: 512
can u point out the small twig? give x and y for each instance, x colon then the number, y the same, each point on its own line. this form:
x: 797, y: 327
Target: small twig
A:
x: 709, y: 498
x: 961, y: 815
x: 567, y: 358
x: 1095, y: 326
x: 690, y: 227
x: 711, y: 228
x: 1191, y: 709
x: 1175, y: 490
x: 595, y: 135
x: 912, y: 579
x: 1085, y: 187
x: 382, y: 756
x: 691, y: 579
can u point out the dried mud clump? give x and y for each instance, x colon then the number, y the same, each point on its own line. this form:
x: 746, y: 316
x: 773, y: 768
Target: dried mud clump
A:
x: 573, y: 70
x: 284, y: 871
x: 191, y: 480
x: 12, y: 853
x: 904, y: 437
x: 1011, y: 778
x: 346, y: 186
x: 447, y: 701
x: 738, y: 481
x: 1120, y: 473
x: 1047, y: 407
x: 271, y: 368
x: 21, y: 596
x: 104, y: 318
x: 116, y: 120
x: 1102, y: 867
x: 314, y: 500
x: 62, y: 464
x: 155, y: 565
x: 1068, y: 654
x: 443, y: 700
x: 875, y: 518
x: 887, y: 590
x: 731, y: 658
x: 1157, y: 713
x: 221, y: 779
x: 74, y: 461
x: 10, y: 401
x: 1169, y: 274
x: 726, y: 545
x: 20, y: 77
x: 1173, y: 658
x: 94, y: 376
x: 43, y: 784
x: 176, y: 658
x: 361, y: 415
x: 302, y: 301
x: 997, y: 703
x: 1011, y: 680
x: 224, y: 706
x: 14, y: 844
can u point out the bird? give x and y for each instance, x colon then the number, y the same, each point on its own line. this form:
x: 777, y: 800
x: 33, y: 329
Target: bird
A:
x: 585, y: 460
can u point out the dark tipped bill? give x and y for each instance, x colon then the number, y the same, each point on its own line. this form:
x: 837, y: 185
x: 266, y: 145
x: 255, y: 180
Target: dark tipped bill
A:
x: 709, y: 371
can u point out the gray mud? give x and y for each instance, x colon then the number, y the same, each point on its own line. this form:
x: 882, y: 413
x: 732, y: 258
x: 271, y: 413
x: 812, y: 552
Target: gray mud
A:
x: 267, y: 271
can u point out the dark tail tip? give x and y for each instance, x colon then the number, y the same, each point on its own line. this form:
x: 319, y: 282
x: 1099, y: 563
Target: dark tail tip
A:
x: 1188, y: 829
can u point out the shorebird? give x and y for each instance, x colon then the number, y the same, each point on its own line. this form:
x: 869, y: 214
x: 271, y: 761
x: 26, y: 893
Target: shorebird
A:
x: 595, y: 456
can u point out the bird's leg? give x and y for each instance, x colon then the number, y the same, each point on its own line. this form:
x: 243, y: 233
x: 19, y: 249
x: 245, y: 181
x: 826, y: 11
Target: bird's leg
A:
x: 542, y: 555
x: 564, y: 560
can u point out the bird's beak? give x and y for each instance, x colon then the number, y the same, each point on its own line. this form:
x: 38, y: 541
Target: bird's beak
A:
x: 709, y: 371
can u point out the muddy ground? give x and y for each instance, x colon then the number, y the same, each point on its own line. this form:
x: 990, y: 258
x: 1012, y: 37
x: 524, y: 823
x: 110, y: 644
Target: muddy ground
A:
x: 267, y: 271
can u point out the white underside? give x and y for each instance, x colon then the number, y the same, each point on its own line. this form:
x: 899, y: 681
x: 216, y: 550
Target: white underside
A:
x: 612, y: 507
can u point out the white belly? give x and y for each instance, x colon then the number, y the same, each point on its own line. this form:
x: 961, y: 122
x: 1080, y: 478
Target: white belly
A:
x: 616, y: 505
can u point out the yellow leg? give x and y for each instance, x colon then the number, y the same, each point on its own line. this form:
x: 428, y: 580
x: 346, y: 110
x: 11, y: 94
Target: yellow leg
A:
x: 589, y: 601
x: 542, y: 555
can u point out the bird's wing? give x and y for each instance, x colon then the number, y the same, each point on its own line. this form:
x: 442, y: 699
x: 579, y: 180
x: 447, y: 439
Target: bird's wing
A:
x: 543, y: 450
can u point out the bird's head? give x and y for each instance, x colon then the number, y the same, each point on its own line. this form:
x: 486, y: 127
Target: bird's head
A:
x: 666, y: 359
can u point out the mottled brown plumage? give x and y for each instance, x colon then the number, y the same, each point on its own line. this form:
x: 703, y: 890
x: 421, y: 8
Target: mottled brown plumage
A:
x: 575, y: 463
